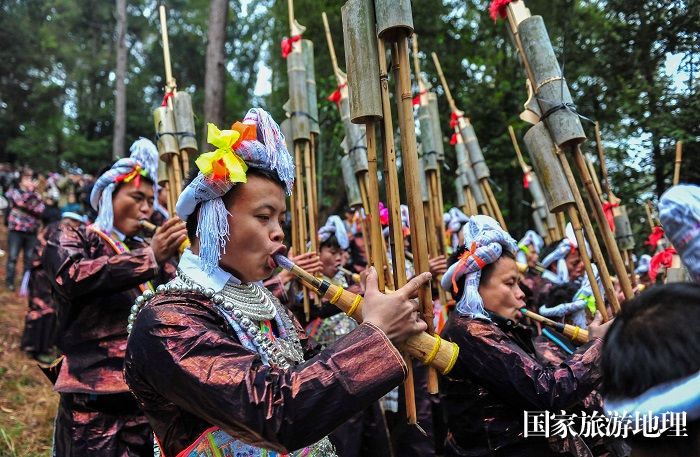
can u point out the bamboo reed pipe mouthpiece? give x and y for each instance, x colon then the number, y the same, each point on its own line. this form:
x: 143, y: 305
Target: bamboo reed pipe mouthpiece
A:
x: 148, y: 226
x: 151, y: 228
x: 577, y: 334
x: 354, y: 276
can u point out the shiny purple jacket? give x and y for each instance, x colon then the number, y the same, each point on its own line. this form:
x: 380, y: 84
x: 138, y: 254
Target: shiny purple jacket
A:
x: 189, y: 372
x: 94, y: 289
x: 497, y: 377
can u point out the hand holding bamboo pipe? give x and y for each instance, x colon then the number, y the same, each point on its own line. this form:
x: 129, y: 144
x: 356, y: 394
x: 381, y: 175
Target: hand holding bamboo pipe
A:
x: 151, y: 229
x: 431, y: 350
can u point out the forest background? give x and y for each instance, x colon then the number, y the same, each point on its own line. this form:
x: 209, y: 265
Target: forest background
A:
x: 632, y: 66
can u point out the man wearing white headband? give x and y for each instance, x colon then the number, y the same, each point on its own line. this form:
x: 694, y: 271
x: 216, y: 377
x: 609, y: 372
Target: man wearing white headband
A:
x: 498, y: 374
x: 529, y: 248
x: 651, y: 368
x: 565, y: 259
x: 96, y: 273
x: 219, y: 366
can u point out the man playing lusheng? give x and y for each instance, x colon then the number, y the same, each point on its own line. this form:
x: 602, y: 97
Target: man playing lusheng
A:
x: 96, y: 273
x: 218, y: 365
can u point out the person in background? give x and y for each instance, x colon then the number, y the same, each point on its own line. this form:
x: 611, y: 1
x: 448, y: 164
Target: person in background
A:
x: 96, y: 273
x: 498, y: 374
x: 72, y: 205
x: 39, y: 336
x: 23, y: 223
x: 51, y: 213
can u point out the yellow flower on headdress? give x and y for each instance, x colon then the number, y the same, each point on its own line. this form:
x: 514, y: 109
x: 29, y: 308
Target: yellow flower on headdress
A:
x: 224, y: 162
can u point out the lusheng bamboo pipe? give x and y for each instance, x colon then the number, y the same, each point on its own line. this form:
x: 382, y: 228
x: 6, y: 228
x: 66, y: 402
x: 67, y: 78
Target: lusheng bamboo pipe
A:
x: 409, y: 156
x: 476, y: 208
x: 171, y: 88
x: 314, y: 189
x: 431, y: 350
x: 577, y: 334
x: 580, y: 240
x: 605, y: 182
x: 677, y: 165
x: 516, y: 13
x: 151, y: 228
x: 491, y: 201
x: 626, y: 257
x: 650, y: 214
x: 437, y: 247
x: 173, y: 160
x: 300, y: 219
x: 593, y: 241
x: 398, y: 253
x: 340, y: 76
x: 453, y: 109
x: 306, y: 217
x: 608, y: 238
x: 378, y: 256
x: 527, y: 170
x: 354, y: 276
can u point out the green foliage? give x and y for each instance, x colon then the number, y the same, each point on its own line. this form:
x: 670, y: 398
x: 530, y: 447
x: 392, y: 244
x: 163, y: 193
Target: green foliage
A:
x: 57, y: 82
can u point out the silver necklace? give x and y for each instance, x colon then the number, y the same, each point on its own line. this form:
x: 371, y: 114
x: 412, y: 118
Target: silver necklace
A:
x: 279, y: 352
x: 252, y: 300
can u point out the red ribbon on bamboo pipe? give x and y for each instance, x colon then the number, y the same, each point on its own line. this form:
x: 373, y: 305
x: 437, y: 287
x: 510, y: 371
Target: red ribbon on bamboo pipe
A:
x: 287, y: 43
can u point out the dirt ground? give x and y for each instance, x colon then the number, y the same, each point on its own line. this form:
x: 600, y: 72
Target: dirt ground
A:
x: 27, y: 402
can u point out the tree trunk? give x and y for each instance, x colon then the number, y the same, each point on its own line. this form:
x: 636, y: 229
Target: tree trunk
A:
x: 118, y: 146
x: 214, y: 87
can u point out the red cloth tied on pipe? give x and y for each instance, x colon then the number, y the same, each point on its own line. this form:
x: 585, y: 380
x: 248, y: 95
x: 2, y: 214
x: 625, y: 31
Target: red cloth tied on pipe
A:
x: 336, y: 96
x: 526, y: 181
x: 287, y: 43
x: 453, y: 120
x: 662, y: 259
x: 453, y: 139
x: 655, y: 236
x: 497, y: 9
x: 608, y: 210
x: 416, y: 99
x: 167, y: 96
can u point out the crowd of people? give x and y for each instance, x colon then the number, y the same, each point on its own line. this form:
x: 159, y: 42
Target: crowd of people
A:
x: 190, y: 341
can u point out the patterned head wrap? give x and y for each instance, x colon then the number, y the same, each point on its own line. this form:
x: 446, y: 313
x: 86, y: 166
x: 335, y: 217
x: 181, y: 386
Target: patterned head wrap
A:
x: 679, y: 211
x: 455, y: 220
x: 334, y: 226
x: 143, y: 162
x: 531, y: 240
x: 485, y: 241
x: 583, y: 298
x: 559, y: 254
x: 563, y: 249
x: 256, y: 142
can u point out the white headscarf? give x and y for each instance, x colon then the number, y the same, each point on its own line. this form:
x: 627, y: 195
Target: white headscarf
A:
x: 261, y: 147
x: 143, y: 162
x: 485, y: 241
x: 334, y: 227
